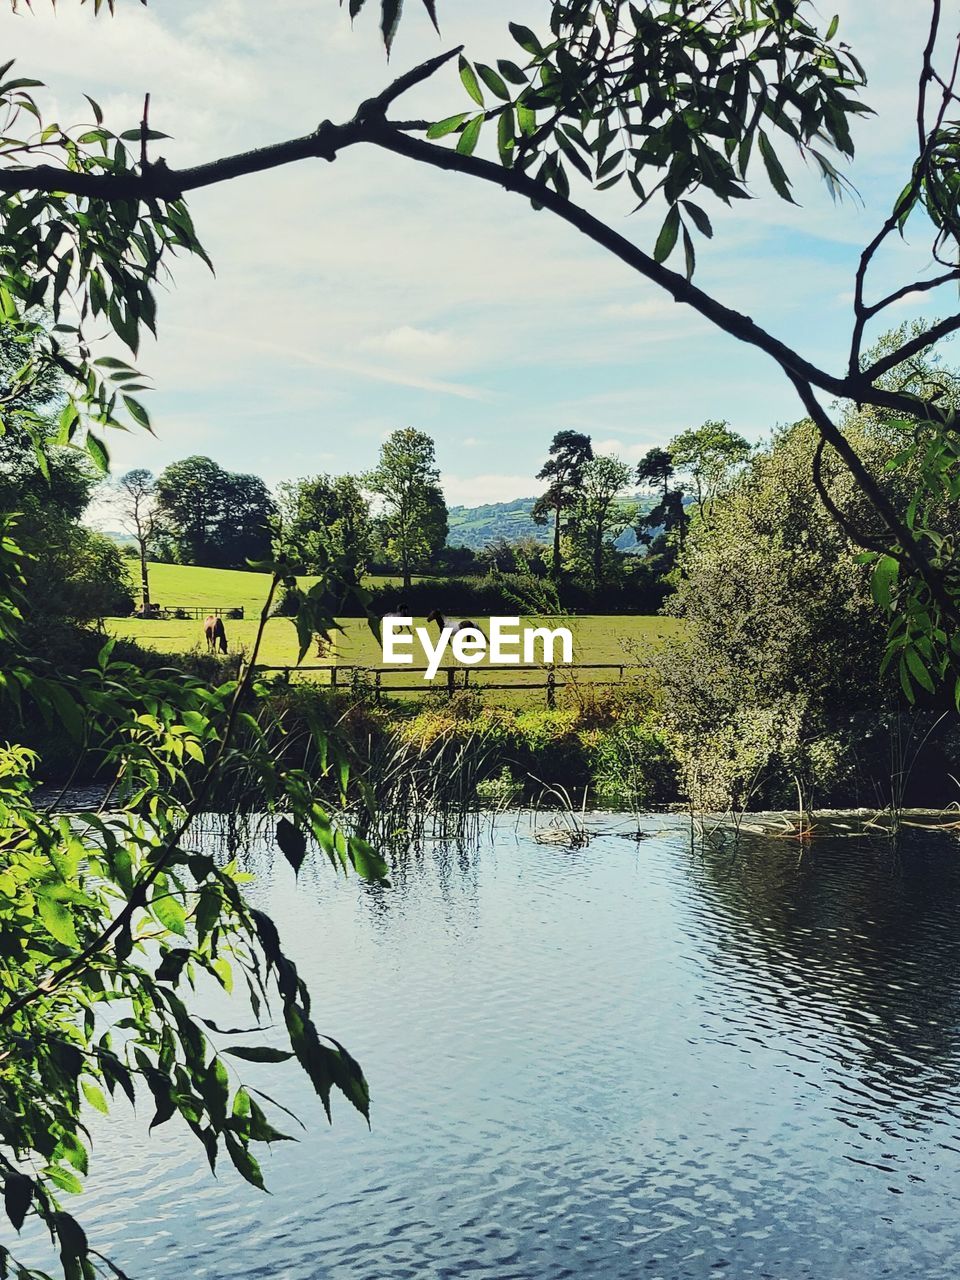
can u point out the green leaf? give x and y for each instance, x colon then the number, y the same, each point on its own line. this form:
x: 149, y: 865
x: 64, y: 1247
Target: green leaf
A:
x: 882, y: 580
x: 493, y: 81
x: 467, y: 142
x: 390, y: 11
x: 259, y: 1053
x: 689, y: 254
x: 775, y: 170
x: 449, y: 125
x: 832, y: 29
x: 244, y: 1162
x: 65, y: 1180
x: 170, y: 913
x: 699, y: 218
x: 667, y: 238
x: 98, y: 452
x: 510, y: 71
x: 17, y: 1194
x: 917, y: 669
x: 137, y: 412
x: 525, y: 38
x: 94, y: 1095
x: 292, y: 842
x: 506, y: 138
x: 366, y: 861
x: 57, y: 920
x: 134, y: 135
x: 469, y: 78
x: 73, y: 1241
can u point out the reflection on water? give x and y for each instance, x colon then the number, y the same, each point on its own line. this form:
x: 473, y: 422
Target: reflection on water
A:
x: 635, y: 1058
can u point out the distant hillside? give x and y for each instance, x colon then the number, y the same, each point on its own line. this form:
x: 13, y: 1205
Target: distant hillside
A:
x: 477, y: 527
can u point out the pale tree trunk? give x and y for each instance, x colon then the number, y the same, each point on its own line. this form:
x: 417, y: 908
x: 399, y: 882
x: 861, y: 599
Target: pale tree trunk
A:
x: 144, y: 578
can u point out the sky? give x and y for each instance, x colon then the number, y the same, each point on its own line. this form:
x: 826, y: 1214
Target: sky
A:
x: 357, y: 297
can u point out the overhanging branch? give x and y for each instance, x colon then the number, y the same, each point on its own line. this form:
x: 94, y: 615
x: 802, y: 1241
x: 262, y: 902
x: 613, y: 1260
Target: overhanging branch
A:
x: 369, y: 125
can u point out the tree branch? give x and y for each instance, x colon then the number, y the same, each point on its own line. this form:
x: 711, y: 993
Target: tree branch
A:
x: 923, y: 340
x: 369, y: 125
x: 925, y: 144
x: 918, y: 286
x: 159, y: 182
x: 912, y: 549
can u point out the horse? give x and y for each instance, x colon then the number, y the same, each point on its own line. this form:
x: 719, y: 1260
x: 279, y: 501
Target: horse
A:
x: 452, y: 624
x: 216, y: 636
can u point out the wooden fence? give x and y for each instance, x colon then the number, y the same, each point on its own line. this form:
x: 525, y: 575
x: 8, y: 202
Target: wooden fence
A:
x: 198, y: 611
x: 361, y: 680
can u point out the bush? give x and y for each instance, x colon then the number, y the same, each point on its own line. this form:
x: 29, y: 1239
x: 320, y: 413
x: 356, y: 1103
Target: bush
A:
x: 775, y: 685
x: 634, y: 762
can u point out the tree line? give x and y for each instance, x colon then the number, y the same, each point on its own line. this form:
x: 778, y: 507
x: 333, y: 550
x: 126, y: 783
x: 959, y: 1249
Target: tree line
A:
x: 393, y: 518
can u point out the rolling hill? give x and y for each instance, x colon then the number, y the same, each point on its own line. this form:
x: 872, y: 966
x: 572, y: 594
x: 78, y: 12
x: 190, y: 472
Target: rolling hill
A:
x: 477, y: 527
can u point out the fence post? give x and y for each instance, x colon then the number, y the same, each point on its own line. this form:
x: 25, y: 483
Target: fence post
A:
x: 376, y: 681
x: 551, y: 688
x: 333, y: 676
x: 451, y: 681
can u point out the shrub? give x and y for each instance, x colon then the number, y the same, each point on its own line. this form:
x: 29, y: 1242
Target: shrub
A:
x: 634, y: 761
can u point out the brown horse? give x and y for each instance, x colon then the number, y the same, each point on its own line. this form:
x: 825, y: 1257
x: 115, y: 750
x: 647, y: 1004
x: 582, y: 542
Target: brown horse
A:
x: 216, y: 636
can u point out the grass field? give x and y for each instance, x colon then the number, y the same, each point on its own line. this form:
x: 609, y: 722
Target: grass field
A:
x: 603, y: 639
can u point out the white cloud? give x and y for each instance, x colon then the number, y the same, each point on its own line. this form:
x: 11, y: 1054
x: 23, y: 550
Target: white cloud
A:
x: 409, y: 341
x: 631, y: 452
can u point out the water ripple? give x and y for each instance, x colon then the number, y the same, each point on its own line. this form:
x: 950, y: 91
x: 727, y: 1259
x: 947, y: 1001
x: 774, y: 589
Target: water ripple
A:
x: 629, y: 1059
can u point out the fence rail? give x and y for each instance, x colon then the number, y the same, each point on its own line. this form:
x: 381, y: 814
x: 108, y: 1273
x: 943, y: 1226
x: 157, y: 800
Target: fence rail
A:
x: 196, y: 611
x: 456, y: 679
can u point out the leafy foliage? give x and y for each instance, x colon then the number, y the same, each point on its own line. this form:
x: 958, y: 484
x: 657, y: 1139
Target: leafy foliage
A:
x: 682, y: 100
x: 211, y: 516
x: 413, y: 521
x: 597, y: 516
x: 109, y: 918
x: 709, y: 456
x: 563, y: 469
x: 776, y: 683
x: 326, y: 519
x: 86, y: 263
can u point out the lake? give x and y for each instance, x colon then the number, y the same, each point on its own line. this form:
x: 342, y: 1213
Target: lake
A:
x: 643, y: 1057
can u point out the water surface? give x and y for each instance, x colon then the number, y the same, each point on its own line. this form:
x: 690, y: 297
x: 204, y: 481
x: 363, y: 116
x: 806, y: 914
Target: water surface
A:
x: 636, y: 1058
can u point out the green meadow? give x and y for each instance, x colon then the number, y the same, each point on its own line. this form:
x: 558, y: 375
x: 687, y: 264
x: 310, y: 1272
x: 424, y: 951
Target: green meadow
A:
x: 596, y: 639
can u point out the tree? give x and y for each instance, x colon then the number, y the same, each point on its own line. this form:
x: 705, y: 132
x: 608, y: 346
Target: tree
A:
x: 245, y: 531
x: 71, y: 575
x: 414, y: 514
x: 191, y: 497
x: 326, y: 520
x: 137, y: 505
x: 597, y: 515
x: 664, y: 525
x: 569, y: 451
x: 214, y: 517
x: 710, y: 456
x: 774, y: 682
